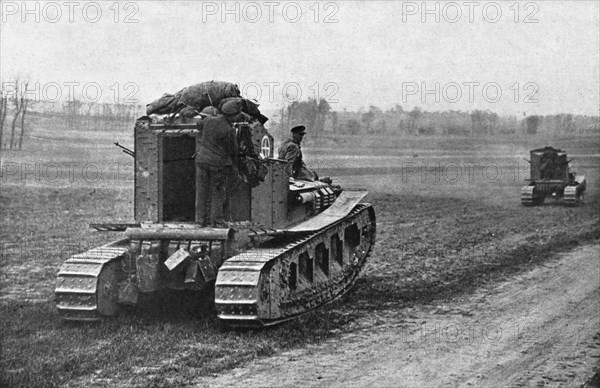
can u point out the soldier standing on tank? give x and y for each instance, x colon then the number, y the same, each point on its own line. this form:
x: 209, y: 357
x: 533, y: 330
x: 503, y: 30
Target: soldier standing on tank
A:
x: 216, y: 158
x: 291, y: 152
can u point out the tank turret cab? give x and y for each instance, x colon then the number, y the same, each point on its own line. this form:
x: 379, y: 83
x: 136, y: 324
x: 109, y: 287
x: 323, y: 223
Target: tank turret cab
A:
x: 551, y: 177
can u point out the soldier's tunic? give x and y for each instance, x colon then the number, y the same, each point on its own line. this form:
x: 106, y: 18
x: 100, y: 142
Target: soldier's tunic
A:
x: 216, y: 151
x: 291, y: 152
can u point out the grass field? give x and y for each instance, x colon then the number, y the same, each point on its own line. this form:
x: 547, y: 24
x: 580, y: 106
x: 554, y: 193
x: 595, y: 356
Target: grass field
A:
x: 447, y: 222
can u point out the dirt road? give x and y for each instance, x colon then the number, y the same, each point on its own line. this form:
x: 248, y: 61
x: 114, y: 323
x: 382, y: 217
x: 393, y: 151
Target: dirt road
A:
x: 540, y: 328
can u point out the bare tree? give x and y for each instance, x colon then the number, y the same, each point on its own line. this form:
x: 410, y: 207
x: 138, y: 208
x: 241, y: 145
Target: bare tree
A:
x: 414, y: 117
x: 89, y: 117
x: 71, y: 110
x: 533, y: 123
x: 24, y: 102
x: 3, y: 109
x: 20, y: 104
x: 323, y: 110
x: 334, y: 121
x: 16, y: 114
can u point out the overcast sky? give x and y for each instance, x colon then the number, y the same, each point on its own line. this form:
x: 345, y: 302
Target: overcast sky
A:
x: 543, y: 57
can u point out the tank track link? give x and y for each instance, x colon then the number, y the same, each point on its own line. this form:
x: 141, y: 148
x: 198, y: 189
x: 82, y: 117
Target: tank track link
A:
x: 86, y: 286
x: 573, y: 196
x: 574, y: 193
x: 530, y: 197
x: 269, y: 285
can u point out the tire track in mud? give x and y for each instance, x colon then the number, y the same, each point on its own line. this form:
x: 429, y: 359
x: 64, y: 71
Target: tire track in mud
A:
x: 537, y: 328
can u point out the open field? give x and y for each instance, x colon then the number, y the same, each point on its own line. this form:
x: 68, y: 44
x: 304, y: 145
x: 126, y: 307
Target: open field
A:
x: 449, y: 221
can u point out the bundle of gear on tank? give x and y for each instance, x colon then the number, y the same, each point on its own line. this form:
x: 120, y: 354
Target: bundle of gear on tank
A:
x: 247, y: 106
x: 252, y: 171
x: 190, y: 100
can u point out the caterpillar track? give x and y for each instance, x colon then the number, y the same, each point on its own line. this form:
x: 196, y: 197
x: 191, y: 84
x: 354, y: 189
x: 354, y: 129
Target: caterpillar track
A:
x: 86, y: 286
x: 530, y: 197
x: 271, y: 284
x: 574, y: 194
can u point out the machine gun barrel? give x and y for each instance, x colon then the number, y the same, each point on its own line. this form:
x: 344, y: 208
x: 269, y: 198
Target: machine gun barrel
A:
x: 125, y: 150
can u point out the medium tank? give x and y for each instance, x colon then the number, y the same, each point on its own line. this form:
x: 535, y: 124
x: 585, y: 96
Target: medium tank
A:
x: 289, y: 246
x: 550, y: 177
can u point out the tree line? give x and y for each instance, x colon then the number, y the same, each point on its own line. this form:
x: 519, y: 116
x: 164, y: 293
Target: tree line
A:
x: 18, y: 114
x: 78, y: 114
x: 320, y: 118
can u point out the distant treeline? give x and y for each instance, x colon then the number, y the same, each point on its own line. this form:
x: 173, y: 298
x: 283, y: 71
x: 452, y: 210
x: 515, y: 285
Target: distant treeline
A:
x: 82, y: 115
x: 319, y: 116
x: 18, y: 115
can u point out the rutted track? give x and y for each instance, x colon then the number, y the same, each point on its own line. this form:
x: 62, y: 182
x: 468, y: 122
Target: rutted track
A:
x: 539, y: 328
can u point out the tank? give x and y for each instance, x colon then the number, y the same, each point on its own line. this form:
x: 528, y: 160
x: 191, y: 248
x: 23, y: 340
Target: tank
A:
x: 551, y: 177
x: 288, y: 247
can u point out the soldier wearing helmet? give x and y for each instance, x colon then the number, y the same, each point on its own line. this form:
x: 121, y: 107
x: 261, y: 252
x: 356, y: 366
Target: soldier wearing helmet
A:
x: 209, y: 111
x: 216, y: 157
x: 291, y: 152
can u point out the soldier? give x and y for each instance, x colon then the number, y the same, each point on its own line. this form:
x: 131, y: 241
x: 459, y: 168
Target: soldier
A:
x: 216, y: 153
x: 209, y: 111
x: 291, y: 152
x: 549, y: 163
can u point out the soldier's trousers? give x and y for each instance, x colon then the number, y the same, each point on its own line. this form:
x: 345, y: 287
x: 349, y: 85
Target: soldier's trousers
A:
x: 211, y: 191
x: 306, y: 174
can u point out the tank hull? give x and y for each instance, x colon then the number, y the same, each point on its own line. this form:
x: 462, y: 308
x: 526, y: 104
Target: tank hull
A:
x: 571, y: 193
x: 288, y: 274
